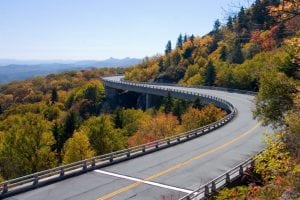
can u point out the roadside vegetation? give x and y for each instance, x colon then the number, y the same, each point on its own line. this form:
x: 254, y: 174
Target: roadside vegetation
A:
x: 63, y: 118
x: 257, y: 49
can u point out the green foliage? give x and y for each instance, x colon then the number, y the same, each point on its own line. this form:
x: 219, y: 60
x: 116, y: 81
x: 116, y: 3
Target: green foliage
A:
x: 25, y: 145
x: 274, y: 98
x: 274, y: 161
x: 54, y: 96
x: 209, y: 74
x: 104, y: 138
x: 168, y: 47
x: 77, y: 148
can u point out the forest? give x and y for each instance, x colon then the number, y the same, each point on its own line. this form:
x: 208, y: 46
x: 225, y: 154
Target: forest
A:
x: 256, y: 49
x: 63, y: 118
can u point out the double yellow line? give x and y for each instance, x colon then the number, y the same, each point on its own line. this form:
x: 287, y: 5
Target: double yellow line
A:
x: 179, y: 165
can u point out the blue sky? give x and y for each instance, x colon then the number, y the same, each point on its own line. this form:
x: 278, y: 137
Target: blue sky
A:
x: 98, y: 29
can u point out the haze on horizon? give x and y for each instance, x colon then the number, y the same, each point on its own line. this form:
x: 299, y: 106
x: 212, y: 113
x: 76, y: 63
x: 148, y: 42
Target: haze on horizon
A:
x: 96, y: 30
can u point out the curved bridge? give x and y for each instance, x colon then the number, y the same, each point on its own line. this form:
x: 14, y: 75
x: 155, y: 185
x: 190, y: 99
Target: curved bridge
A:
x: 171, y: 173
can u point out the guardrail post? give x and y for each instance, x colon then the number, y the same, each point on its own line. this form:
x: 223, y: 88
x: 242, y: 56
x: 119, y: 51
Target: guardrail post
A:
x: 241, y: 170
x: 156, y: 145
x: 5, y: 188
x: 36, y: 180
x: 213, y: 187
x: 227, y: 178
x: 178, y: 138
x: 206, y: 191
x: 168, y: 142
x: 84, y: 165
x: 62, y: 172
x: 144, y: 149
x: 111, y: 159
x: 93, y: 162
x: 128, y: 153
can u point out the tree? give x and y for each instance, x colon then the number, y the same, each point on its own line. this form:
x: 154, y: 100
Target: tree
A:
x: 209, y: 74
x: 54, y: 95
x: 217, y: 25
x: 229, y: 23
x: 197, y: 103
x: 25, y: 146
x: 77, y: 148
x: 223, y: 54
x: 185, y: 38
x: 179, y: 42
x: 274, y: 98
x: 1, y: 109
x: 168, y: 104
x: 103, y: 137
x: 168, y: 47
x: 236, y: 56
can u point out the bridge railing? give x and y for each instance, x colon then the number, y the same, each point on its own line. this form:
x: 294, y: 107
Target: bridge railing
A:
x: 207, y: 190
x: 198, y: 86
x: 31, y: 181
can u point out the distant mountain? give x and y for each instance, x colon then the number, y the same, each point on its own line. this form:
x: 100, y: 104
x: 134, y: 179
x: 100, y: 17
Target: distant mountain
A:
x: 20, y: 70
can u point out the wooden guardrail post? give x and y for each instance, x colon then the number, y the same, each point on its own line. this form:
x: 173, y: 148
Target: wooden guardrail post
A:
x: 111, y: 159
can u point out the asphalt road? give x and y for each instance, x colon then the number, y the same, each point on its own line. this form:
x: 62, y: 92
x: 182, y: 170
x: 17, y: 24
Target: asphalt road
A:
x: 170, y: 173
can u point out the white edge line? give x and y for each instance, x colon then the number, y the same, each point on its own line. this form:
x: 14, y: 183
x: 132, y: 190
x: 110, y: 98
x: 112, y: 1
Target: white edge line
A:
x: 143, y: 181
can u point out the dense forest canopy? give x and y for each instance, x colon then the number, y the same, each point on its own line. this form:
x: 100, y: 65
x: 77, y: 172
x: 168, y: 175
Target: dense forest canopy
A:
x: 63, y: 118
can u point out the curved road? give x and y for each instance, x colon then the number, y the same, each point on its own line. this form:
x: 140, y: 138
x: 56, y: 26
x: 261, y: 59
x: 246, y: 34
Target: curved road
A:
x: 169, y: 173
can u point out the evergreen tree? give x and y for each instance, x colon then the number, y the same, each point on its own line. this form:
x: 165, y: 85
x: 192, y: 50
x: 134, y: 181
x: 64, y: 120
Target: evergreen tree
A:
x: 236, y: 54
x: 197, y: 103
x: 192, y: 37
x: 185, y: 38
x: 168, y: 47
x: 118, y: 118
x: 223, y: 54
x: 54, y: 95
x: 209, y: 74
x: 242, y: 20
x: 217, y: 25
x: 260, y: 14
x: 230, y: 23
x: 179, y: 41
x: 178, y: 109
x: 70, y: 124
x: 168, y: 104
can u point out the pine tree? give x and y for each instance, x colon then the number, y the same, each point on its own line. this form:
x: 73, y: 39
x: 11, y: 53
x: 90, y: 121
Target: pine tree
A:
x: 217, y: 25
x: 197, y: 103
x: 192, y: 38
x: 54, y: 96
x: 168, y: 47
x: 168, y: 104
x: 236, y: 54
x: 185, y: 38
x: 179, y: 41
x: 230, y: 23
x: 223, y: 54
x: 209, y: 74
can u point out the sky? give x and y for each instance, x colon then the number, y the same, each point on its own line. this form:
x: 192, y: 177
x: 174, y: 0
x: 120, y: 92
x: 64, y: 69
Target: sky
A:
x: 99, y: 29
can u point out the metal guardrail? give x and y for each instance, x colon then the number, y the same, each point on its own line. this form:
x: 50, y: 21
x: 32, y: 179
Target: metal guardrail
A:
x: 209, y: 189
x: 31, y: 181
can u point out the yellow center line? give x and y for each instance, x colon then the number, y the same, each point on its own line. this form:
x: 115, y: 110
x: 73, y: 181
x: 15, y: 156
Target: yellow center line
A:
x: 177, y: 166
